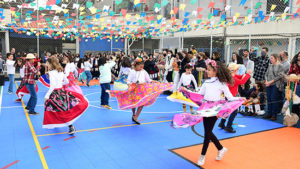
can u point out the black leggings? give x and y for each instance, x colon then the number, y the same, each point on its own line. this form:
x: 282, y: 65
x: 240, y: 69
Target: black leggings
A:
x: 209, y: 123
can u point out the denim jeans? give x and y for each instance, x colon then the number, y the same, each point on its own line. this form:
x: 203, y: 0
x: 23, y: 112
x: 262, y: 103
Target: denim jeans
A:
x: 11, y: 82
x: 89, y: 76
x: 104, y: 94
x: 274, y: 98
x: 33, y: 97
x: 230, y: 119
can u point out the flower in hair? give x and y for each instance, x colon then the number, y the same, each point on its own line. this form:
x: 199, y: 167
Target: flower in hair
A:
x: 138, y: 59
x: 213, y: 63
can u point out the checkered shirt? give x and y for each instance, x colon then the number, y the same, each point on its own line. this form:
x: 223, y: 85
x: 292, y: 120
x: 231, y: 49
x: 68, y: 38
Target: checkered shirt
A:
x: 29, y: 72
x: 261, y: 65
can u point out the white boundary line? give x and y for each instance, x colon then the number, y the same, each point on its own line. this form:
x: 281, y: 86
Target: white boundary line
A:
x: 131, y: 111
x: 1, y: 99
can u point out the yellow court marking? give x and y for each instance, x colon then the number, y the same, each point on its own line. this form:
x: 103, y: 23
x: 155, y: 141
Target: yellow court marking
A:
x: 103, y: 128
x: 36, y: 141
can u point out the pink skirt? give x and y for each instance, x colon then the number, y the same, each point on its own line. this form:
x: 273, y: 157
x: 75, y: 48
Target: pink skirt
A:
x: 139, y: 94
x: 222, y: 108
x: 72, y: 86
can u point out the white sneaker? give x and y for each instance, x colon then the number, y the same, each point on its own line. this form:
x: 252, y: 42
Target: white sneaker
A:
x: 221, y: 153
x: 261, y: 112
x: 201, y: 160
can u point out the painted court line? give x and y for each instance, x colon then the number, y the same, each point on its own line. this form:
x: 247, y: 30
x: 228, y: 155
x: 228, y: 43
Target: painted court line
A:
x: 46, y: 147
x: 36, y: 141
x: 130, y: 110
x: 9, y: 165
x: 69, y: 138
x: 1, y: 98
x: 103, y: 128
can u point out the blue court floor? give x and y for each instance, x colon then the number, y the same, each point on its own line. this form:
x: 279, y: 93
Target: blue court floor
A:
x: 105, y: 139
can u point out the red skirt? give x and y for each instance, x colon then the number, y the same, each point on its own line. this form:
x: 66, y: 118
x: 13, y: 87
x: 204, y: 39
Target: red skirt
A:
x: 63, y: 108
x: 23, y: 90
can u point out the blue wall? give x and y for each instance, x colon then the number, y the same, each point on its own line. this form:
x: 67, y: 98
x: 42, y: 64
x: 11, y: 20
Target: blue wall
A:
x: 99, y: 45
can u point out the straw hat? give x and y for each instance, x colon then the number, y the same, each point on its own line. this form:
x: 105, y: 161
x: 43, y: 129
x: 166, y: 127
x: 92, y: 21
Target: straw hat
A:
x: 30, y: 56
x: 233, y: 66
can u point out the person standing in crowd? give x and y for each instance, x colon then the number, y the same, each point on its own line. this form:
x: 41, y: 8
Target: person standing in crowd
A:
x: 146, y: 9
x: 20, y: 63
x: 274, y: 87
x: 105, y: 79
x: 216, y: 56
x: 261, y: 64
x: 77, y: 58
x: 29, y: 73
x: 95, y: 69
x: 295, y: 66
x: 168, y: 67
x: 194, y: 51
x: 249, y: 64
x: 1, y: 63
x: 236, y: 58
x: 150, y: 66
x: 176, y: 72
x: 184, y: 62
x: 11, y: 69
x: 87, y: 70
x: 160, y: 64
x: 284, y: 56
x: 199, y: 64
x: 12, y: 52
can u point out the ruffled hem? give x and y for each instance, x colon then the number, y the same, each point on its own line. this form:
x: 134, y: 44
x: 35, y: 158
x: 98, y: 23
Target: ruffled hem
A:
x: 54, y: 119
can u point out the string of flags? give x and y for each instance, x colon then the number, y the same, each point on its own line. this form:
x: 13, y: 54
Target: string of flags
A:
x: 56, y: 20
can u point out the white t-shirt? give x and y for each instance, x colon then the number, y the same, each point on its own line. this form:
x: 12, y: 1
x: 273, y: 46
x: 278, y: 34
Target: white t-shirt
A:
x: 22, y: 69
x: 57, y: 80
x: 10, y: 67
x: 212, y: 90
x: 186, y: 80
x: 87, y: 66
x: 138, y: 77
x: 124, y: 70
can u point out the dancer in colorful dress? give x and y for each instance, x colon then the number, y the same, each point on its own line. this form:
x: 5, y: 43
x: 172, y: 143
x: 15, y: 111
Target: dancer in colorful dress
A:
x: 142, y: 91
x: 238, y: 80
x: 212, y: 105
x: 69, y: 71
x: 22, y: 88
x: 62, y: 107
x: 121, y: 82
x: 186, y: 79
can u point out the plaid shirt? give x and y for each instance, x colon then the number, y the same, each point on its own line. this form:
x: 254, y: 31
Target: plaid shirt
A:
x: 29, y: 72
x: 261, y: 65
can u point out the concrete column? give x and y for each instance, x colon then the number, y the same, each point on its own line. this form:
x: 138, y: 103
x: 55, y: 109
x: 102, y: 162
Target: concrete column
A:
x: 292, y: 47
x: 6, y: 43
x: 77, y: 45
x: 227, y: 50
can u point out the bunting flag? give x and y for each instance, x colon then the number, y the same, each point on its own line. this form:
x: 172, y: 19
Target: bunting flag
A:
x: 58, y: 19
